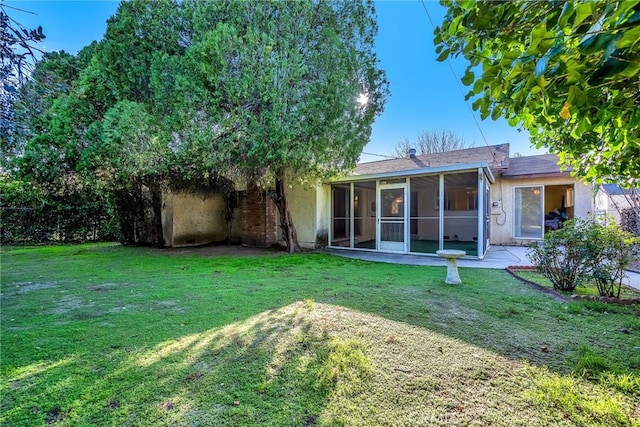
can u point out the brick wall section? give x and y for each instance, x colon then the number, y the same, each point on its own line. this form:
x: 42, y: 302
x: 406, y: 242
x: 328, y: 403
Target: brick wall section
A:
x: 258, y: 218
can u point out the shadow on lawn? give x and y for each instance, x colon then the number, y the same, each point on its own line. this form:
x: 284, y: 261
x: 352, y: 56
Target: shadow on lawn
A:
x: 263, y: 367
x: 263, y: 370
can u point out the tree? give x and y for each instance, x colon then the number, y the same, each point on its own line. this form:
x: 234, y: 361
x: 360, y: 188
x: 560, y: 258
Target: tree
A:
x: 195, y: 94
x: 271, y: 90
x: 18, y: 53
x: 432, y: 142
x: 568, y: 72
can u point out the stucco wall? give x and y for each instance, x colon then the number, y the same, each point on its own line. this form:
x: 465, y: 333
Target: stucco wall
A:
x: 502, y: 218
x: 189, y: 219
x: 303, y: 208
x: 323, y: 213
x: 310, y: 208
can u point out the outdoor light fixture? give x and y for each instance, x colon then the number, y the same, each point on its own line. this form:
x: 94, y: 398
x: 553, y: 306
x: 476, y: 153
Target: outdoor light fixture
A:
x: 536, y: 191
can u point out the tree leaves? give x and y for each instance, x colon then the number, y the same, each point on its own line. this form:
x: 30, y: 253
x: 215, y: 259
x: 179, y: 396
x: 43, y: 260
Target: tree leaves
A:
x: 575, y: 62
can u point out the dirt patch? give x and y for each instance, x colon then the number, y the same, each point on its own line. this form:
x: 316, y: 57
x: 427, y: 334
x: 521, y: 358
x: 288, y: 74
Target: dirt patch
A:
x: 171, y: 305
x: 310, y: 420
x: 25, y: 287
x: 55, y: 415
x: 166, y: 406
x: 105, y: 287
x: 456, y: 310
x: 70, y: 303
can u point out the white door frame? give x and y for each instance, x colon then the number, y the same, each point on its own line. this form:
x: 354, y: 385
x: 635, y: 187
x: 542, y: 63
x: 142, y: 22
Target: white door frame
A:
x: 541, y: 219
x: 390, y: 246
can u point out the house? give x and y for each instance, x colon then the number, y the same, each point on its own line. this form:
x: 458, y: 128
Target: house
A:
x: 611, y: 199
x: 465, y: 199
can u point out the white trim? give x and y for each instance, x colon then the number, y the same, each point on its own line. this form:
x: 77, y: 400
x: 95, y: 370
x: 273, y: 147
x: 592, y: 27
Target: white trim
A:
x: 513, y: 195
x: 441, y: 212
x: 422, y: 171
x: 481, y: 213
x: 381, y: 187
x: 352, y: 221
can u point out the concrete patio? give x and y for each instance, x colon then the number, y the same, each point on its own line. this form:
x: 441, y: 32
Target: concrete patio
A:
x: 499, y: 257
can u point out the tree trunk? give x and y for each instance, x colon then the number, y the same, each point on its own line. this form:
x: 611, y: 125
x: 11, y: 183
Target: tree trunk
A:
x: 289, y: 233
x: 156, y: 205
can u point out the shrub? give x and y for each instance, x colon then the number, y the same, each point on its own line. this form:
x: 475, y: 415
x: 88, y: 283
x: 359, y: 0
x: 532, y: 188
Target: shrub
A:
x: 609, y: 251
x: 583, y: 250
x: 560, y: 256
x: 31, y: 214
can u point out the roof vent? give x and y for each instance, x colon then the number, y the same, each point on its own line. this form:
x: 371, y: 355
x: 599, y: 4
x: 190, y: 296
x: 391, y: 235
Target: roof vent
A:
x: 412, y: 153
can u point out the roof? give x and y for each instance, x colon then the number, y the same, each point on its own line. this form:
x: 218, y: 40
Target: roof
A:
x: 543, y: 165
x: 615, y: 190
x: 496, y: 157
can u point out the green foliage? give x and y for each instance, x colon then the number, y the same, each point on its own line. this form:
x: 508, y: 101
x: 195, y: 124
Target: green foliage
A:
x: 585, y: 250
x: 609, y: 251
x: 198, y: 94
x: 276, y: 102
x: 568, y: 72
x: 560, y: 257
x: 30, y: 214
x: 18, y: 51
x: 590, y: 364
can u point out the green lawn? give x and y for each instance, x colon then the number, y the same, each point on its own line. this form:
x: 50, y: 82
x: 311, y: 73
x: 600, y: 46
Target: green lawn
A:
x: 107, y: 335
x: 588, y: 288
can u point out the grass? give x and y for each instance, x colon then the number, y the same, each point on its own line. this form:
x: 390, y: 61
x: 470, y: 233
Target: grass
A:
x: 101, y: 334
x: 586, y: 289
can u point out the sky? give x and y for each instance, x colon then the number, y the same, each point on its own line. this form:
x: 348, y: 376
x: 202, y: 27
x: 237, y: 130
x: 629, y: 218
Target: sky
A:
x: 425, y: 94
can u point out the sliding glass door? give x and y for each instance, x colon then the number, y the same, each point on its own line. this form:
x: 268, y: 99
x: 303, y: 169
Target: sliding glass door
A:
x: 528, y: 212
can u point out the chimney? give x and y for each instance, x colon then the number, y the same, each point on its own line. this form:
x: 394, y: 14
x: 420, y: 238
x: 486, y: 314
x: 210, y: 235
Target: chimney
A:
x: 412, y: 153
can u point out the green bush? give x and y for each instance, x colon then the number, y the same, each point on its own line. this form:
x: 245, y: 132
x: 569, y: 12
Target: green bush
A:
x: 30, y: 214
x: 609, y: 251
x: 585, y: 250
x: 560, y: 256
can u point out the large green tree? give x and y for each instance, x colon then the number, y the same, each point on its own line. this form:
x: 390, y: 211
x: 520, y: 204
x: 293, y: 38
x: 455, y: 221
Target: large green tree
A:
x: 194, y: 93
x: 566, y: 71
x: 278, y: 91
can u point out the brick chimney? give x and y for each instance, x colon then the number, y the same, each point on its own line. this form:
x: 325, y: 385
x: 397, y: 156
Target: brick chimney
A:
x: 258, y: 218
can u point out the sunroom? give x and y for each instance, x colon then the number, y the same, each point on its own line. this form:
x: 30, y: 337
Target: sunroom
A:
x: 417, y: 211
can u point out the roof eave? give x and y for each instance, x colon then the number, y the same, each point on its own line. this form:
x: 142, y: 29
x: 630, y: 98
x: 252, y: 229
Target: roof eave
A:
x: 538, y: 175
x: 421, y: 171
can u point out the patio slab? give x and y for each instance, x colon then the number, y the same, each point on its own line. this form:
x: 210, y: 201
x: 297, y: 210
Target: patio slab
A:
x: 499, y: 257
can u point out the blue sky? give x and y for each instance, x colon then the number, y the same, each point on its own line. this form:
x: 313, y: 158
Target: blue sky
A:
x: 424, y: 92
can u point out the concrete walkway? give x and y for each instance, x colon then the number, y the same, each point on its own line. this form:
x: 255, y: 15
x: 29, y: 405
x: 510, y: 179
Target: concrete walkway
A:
x: 499, y: 257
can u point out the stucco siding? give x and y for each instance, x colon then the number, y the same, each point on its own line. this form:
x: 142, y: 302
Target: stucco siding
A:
x: 192, y: 219
x: 302, y: 205
x: 323, y: 213
x: 502, y: 226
